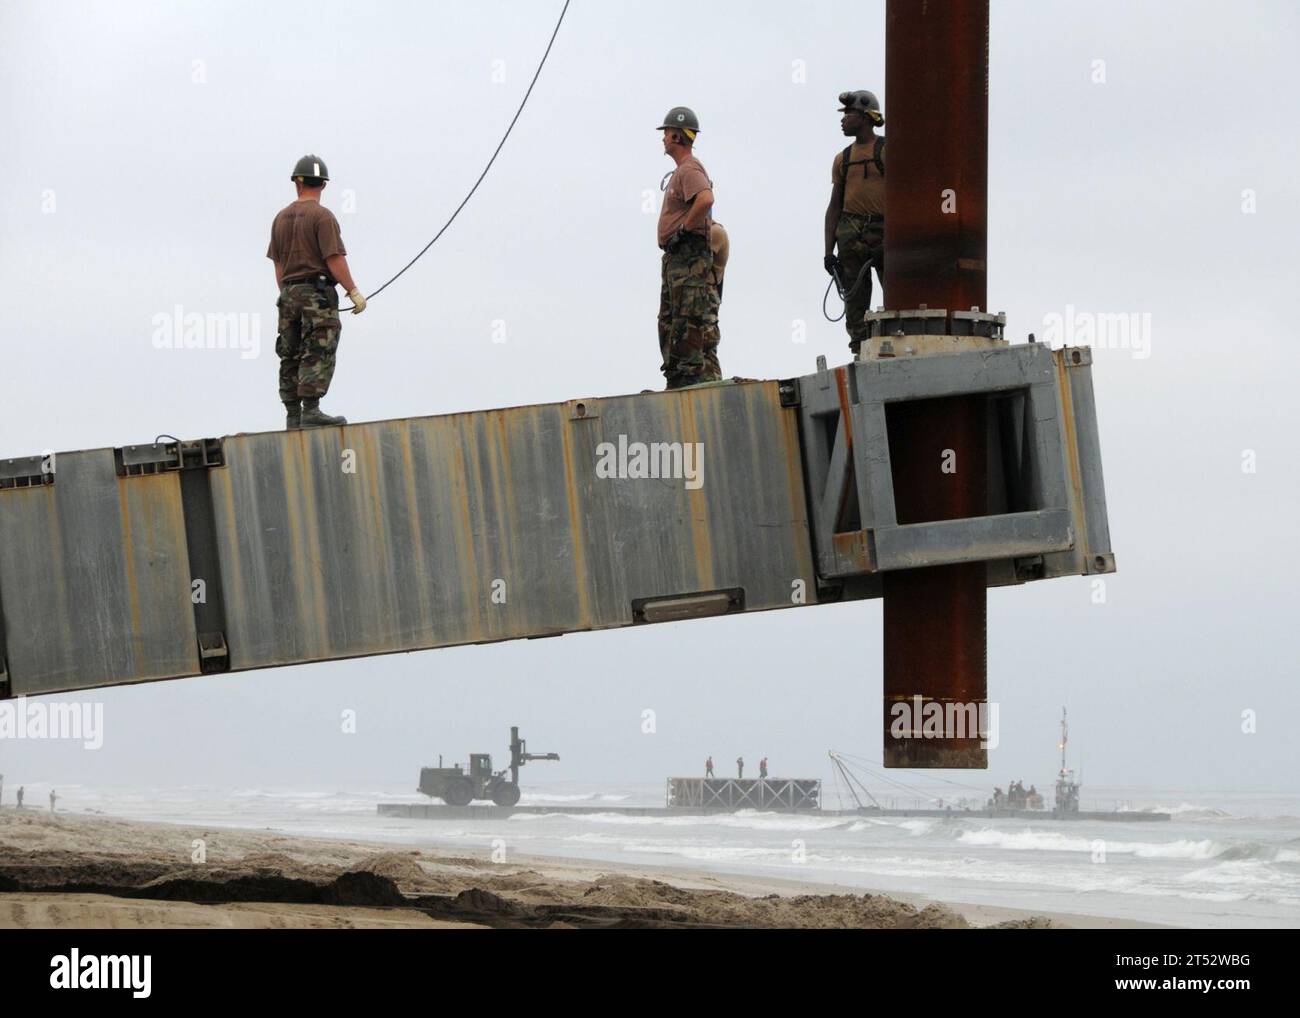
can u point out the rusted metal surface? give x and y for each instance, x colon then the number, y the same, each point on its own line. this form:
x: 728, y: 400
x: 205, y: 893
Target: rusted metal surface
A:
x: 936, y: 90
x: 478, y: 527
x: 936, y: 82
x: 398, y: 535
x: 934, y: 619
x: 96, y: 586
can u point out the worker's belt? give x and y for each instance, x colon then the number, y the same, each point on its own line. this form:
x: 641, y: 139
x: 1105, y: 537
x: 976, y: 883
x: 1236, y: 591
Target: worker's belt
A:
x: 316, y: 279
x: 866, y: 217
x: 676, y: 240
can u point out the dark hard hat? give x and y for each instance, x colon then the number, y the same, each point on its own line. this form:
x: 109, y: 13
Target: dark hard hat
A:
x: 310, y: 166
x: 861, y: 101
x: 683, y: 119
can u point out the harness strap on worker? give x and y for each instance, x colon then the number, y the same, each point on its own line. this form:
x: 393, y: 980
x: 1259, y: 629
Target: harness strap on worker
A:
x: 877, y: 157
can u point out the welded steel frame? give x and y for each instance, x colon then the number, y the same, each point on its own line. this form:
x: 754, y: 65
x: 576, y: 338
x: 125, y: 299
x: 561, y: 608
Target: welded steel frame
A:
x: 1047, y: 513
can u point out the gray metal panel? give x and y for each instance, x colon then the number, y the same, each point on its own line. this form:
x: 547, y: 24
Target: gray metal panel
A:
x: 875, y: 476
x: 397, y: 545
x: 830, y: 497
x: 1047, y: 445
x: 745, y: 526
x: 1091, y: 482
x: 985, y: 538
x: 1086, y: 486
x: 953, y: 374
x: 824, y: 459
x: 318, y: 563
x: 95, y: 579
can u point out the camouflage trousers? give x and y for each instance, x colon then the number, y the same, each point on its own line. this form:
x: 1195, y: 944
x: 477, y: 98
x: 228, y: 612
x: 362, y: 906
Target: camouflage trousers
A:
x: 859, y: 242
x: 688, y: 314
x: 308, y: 340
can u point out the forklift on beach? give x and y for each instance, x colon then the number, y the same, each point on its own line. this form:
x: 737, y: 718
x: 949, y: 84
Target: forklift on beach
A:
x: 457, y: 786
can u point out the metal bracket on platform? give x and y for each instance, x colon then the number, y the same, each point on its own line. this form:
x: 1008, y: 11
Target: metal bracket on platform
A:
x: 1047, y: 510
x: 160, y: 457
x: 213, y: 655
x: 191, y: 461
x: 583, y: 409
x: 699, y: 605
x: 927, y: 332
x: 925, y: 321
x: 25, y: 472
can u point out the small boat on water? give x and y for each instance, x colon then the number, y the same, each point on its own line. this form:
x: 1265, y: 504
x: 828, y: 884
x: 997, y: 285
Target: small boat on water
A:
x: 1017, y: 802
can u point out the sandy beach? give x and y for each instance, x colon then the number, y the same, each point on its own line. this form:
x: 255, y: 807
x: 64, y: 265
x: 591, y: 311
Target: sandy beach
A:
x: 89, y: 871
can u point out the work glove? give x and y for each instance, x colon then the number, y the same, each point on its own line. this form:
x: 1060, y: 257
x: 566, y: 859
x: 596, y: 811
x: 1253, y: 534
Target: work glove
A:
x: 831, y: 263
x: 358, y: 299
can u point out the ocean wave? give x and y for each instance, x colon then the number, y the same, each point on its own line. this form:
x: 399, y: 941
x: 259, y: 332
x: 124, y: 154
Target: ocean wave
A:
x: 1259, y: 850
x: 1243, y: 875
x: 702, y: 851
x: 1191, y: 850
x: 1057, y: 841
x: 751, y: 820
x: 1190, y: 811
x: 1183, y: 811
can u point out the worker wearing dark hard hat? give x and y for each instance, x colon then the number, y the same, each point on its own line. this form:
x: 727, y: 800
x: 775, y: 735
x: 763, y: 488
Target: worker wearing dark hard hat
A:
x: 310, y: 261
x: 688, y: 296
x: 855, y: 217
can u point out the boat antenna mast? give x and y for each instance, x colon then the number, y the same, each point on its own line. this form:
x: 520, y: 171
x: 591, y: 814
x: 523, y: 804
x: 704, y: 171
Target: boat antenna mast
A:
x: 1067, y: 790
x: 1065, y: 738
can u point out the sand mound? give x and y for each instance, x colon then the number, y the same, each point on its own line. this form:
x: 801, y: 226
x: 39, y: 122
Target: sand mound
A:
x: 844, y: 911
x: 399, y: 867
x: 938, y: 917
x: 1036, y: 922
x: 271, y: 861
x: 633, y: 891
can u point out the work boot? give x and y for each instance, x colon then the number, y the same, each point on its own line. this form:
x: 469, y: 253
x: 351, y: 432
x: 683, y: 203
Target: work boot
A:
x: 312, y: 417
x: 292, y: 416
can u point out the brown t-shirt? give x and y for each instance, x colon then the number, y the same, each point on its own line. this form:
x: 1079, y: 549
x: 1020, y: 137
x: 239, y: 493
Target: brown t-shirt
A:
x: 863, y: 195
x: 303, y: 235
x: 688, y: 180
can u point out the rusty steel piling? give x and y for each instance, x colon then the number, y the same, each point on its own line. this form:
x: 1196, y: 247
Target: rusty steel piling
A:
x: 936, y: 189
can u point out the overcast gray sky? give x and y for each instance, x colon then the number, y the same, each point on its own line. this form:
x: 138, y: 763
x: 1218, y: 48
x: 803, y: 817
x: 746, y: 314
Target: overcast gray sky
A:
x: 146, y: 148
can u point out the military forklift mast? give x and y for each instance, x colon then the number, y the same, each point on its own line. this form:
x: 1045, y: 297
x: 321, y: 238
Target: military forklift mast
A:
x: 519, y: 754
